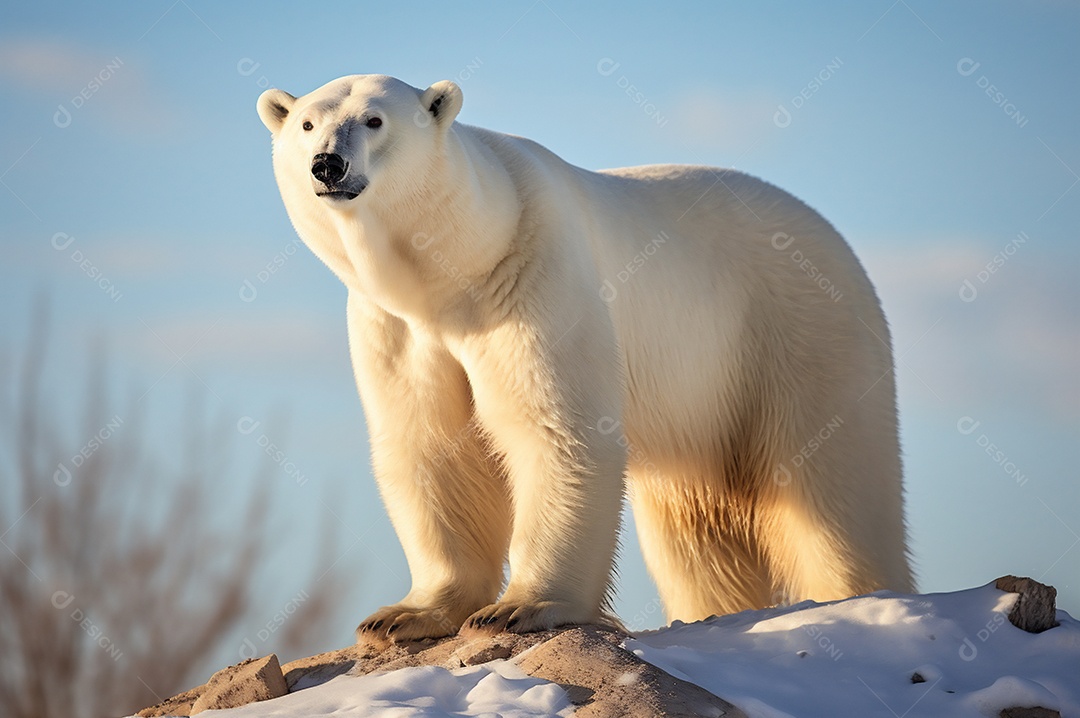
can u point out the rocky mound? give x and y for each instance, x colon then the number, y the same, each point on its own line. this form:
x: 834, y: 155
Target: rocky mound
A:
x: 600, y: 677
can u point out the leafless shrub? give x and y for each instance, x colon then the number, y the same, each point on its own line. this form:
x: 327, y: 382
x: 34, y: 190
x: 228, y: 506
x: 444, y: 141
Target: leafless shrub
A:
x: 117, y: 583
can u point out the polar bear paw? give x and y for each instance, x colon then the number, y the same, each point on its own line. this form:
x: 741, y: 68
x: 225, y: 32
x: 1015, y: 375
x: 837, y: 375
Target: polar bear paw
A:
x: 403, y: 624
x: 525, y: 617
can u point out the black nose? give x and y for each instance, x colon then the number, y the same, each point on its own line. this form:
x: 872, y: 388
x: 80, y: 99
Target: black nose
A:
x: 329, y: 169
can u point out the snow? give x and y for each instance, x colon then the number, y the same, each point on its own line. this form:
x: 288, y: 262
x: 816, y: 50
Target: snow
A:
x: 493, y: 689
x: 859, y: 657
x: 949, y: 654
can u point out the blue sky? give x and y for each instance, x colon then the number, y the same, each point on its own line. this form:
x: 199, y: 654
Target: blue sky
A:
x: 137, y: 195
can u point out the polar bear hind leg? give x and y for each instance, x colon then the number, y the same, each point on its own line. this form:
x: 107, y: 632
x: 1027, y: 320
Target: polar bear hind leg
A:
x: 833, y: 527
x: 759, y: 532
x: 714, y: 553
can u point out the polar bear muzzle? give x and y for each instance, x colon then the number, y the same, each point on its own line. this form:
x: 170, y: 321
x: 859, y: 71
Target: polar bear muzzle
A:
x: 329, y: 177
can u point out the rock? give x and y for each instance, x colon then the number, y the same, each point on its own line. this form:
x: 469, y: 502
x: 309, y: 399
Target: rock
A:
x: 465, y: 649
x: 178, y: 705
x: 314, y: 670
x: 1035, y: 610
x: 604, y: 680
x: 256, y: 679
x: 600, y: 677
x: 497, y: 650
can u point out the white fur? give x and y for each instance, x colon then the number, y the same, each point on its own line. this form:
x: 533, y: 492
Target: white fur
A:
x: 528, y: 335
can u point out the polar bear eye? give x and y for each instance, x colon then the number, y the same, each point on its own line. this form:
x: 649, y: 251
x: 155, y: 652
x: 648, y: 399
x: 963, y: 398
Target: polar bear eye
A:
x: 308, y: 127
x: 374, y: 123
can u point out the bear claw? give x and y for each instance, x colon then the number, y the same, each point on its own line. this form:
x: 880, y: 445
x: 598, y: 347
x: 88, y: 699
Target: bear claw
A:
x: 405, y: 624
x: 524, y: 617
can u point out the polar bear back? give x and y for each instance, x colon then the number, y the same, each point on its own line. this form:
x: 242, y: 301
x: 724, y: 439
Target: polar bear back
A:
x: 777, y: 293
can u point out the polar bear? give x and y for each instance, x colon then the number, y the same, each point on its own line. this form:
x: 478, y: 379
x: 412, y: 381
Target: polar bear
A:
x: 532, y: 340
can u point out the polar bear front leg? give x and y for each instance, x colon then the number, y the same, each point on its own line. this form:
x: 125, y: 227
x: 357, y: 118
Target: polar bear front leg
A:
x: 550, y: 397
x: 444, y: 494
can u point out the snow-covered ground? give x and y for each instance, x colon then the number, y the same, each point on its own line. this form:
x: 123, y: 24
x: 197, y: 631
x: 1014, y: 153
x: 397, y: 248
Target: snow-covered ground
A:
x: 948, y: 655
x: 494, y: 689
x: 859, y: 657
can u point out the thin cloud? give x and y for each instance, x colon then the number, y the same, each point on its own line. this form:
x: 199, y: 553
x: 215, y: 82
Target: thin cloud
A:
x: 713, y: 120
x: 106, y: 85
x: 1017, y: 343
x: 47, y: 66
x: 253, y: 341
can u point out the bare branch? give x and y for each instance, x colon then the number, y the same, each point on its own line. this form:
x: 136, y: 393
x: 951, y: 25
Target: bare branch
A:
x: 116, y: 583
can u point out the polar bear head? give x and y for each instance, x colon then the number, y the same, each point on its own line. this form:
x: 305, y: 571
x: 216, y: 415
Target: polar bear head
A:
x: 355, y: 138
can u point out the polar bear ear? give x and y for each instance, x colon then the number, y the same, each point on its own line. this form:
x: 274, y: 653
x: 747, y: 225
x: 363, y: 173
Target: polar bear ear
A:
x: 442, y: 101
x: 274, y: 106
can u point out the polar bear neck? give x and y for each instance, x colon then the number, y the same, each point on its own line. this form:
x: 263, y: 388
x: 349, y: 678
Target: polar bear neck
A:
x: 428, y: 242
